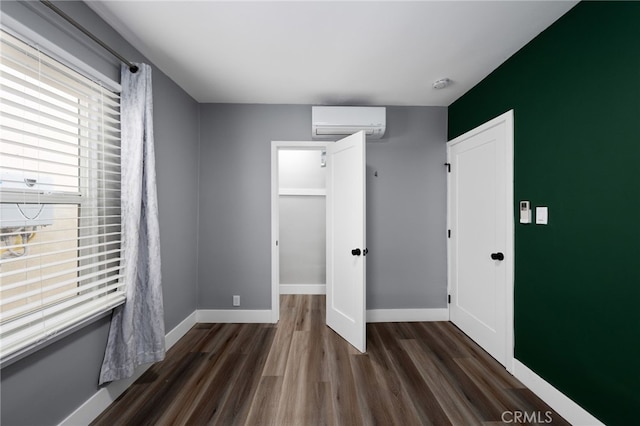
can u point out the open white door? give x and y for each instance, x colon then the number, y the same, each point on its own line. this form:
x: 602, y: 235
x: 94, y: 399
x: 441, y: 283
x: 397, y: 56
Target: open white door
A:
x: 481, y: 243
x: 346, y: 239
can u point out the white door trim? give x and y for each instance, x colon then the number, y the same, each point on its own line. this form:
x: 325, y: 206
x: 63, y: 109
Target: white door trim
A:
x: 276, y: 146
x: 507, y: 119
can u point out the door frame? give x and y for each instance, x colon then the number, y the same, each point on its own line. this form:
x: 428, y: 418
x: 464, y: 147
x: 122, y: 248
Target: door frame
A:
x: 509, y: 251
x: 276, y: 146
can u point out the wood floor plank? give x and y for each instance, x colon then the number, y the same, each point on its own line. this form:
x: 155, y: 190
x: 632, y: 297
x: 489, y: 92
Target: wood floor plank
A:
x: 305, y: 395
x: 182, y: 405
x: 488, y: 362
x: 292, y: 402
x: 401, y: 408
x: 454, y: 346
x: 265, y: 402
x: 447, y: 365
x: 317, y: 365
x: 500, y: 398
x: 217, y: 339
x: 148, y: 393
x: 423, y: 399
x: 454, y: 403
x: 302, y: 315
x: 212, y: 397
x: 160, y: 395
x: 235, y: 410
x: 301, y: 373
x: 279, y: 353
x: 343, y: 395
x: 483, y: 376
x: 529, y: 403
x: 215, y: 381
x: 321, y: 412
x: 192, y: 338
x: 372, y: 400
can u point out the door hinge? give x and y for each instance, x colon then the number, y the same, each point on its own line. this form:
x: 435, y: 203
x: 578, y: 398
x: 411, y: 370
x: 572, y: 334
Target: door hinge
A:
x: 448, y: 233
x: 448, y: 166
x: 449, y: 298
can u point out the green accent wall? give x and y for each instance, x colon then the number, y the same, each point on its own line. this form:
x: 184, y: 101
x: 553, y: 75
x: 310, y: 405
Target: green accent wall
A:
x: 575, y: 92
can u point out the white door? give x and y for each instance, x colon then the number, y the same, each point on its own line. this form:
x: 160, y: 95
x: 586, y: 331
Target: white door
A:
x: 346, y: 241
x: 481, y: 242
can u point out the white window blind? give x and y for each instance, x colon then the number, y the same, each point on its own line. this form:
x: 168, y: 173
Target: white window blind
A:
x: 60, y: 260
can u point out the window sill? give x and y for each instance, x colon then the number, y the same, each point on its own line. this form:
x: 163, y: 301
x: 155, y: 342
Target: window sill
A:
x: 58, y: 335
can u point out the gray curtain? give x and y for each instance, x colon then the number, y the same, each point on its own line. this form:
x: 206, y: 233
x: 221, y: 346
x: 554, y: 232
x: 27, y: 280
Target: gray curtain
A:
x: 136, y: 335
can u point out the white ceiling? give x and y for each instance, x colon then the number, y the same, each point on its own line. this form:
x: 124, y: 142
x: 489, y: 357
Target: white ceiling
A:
x: 328, y: 52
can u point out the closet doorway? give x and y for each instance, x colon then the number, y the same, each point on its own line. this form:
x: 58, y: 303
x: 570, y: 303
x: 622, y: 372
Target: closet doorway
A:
x: 298, y: 216
x: 305, y: 183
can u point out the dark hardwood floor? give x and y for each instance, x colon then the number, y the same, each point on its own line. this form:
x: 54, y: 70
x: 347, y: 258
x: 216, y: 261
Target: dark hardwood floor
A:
x: 301, y: 373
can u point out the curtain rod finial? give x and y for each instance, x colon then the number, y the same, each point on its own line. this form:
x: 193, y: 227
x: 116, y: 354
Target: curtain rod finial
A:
x: 134, y: 69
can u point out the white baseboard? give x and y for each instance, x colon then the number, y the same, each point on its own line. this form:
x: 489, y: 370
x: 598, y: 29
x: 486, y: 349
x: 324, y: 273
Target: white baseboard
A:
x: 572, y: 412
x: 233, y: 315
x: 96, y: 404
x: 303, y: 289
x: 407, y: 315
x: 180, y: 330
x: 373, y: 315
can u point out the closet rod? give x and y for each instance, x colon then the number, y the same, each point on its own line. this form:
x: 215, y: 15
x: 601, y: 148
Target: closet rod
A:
x: 132, y: 67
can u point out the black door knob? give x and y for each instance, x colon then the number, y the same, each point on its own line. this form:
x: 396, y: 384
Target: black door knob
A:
x: 356, y: 252
x: 497, y: 256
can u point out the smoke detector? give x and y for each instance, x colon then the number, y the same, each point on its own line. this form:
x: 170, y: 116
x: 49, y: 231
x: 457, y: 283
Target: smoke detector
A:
x: 442, y: 83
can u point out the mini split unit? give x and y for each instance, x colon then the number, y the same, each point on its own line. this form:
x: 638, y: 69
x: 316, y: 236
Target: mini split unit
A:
x: 331, y: 122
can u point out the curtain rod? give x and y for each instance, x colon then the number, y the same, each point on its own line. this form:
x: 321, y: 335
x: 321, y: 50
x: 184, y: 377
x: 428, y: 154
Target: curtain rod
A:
x: 132, y: 67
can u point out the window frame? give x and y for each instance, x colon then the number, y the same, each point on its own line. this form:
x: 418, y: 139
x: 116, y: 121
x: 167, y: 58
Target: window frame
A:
x: 107, y: 301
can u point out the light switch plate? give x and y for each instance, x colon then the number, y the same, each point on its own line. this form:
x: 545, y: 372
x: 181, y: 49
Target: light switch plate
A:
x: 542, y: 215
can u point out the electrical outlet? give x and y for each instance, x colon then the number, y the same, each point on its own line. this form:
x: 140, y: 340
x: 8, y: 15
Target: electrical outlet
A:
x: 236, y: 300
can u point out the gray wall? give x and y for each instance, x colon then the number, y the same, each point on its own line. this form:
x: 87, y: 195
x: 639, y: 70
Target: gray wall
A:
x: 302, y: 239
x: 235, y: 199
x: 177, y: 144
x: 405, y: 205
x: 406, y: 211
x: 62, y: 376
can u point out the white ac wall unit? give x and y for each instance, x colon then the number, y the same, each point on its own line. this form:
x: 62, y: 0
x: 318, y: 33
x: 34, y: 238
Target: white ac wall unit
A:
x: 331, y: 122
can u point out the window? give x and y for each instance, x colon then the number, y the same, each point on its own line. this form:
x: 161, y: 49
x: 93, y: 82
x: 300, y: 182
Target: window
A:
x: 60, y: 261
